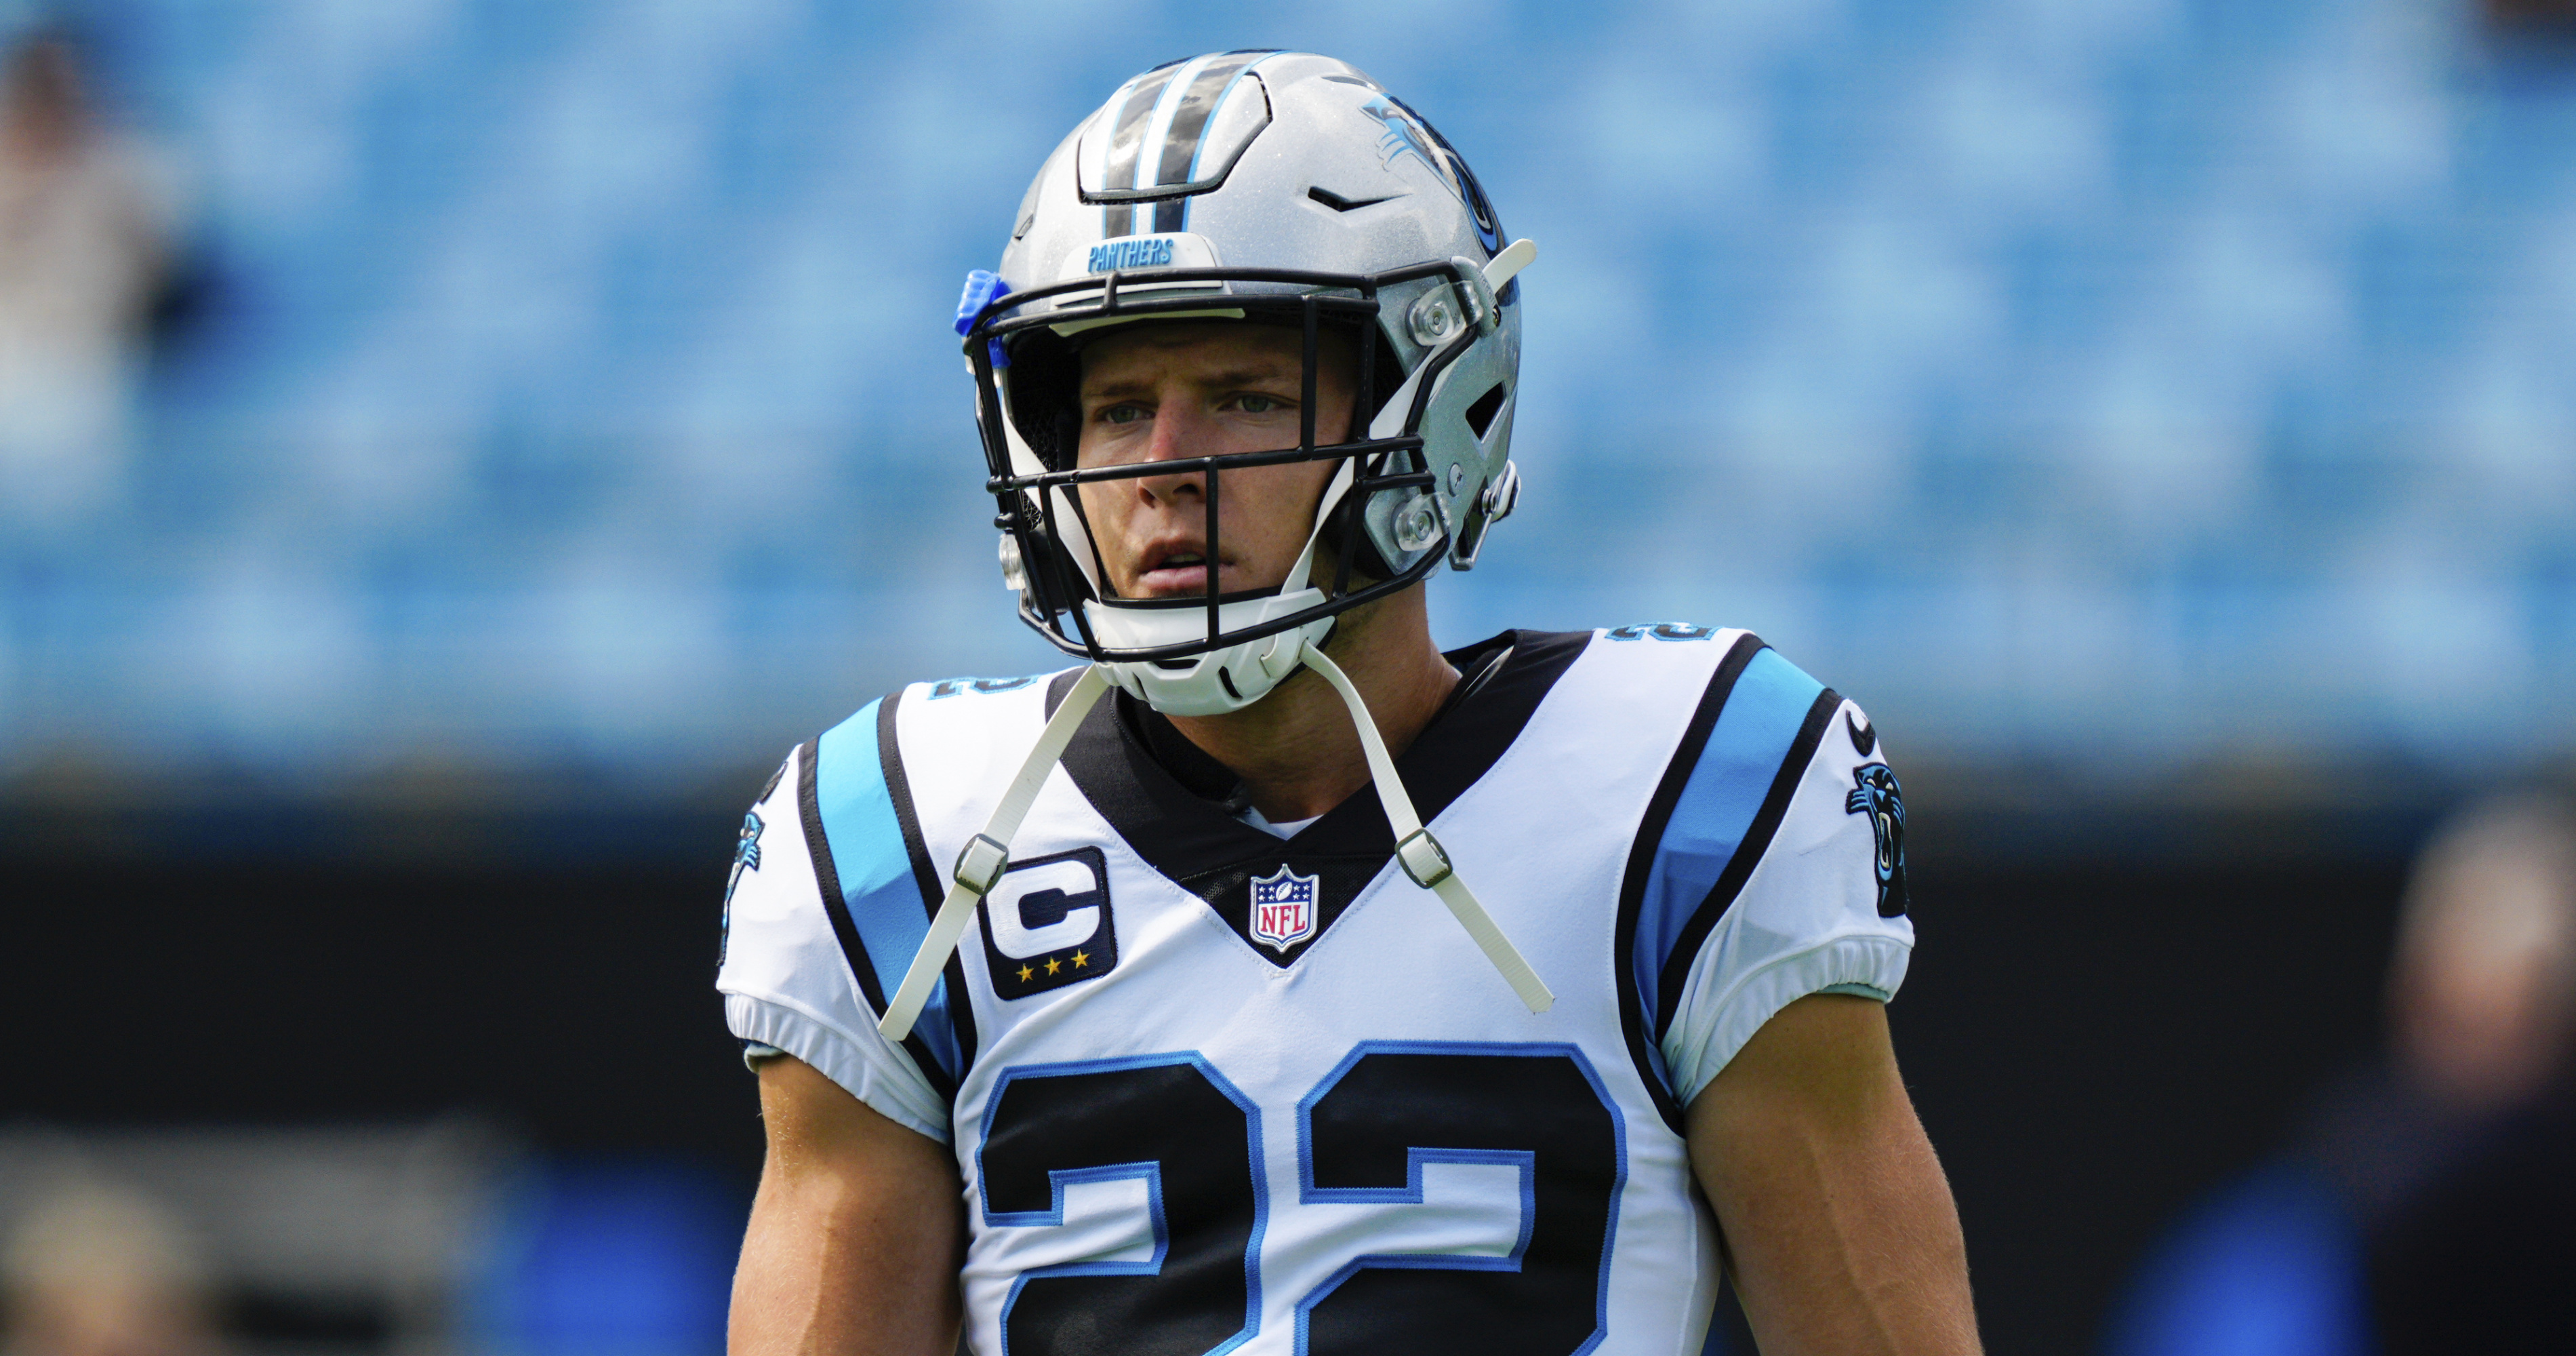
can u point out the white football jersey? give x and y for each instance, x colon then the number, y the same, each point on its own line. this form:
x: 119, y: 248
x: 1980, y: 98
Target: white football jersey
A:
x: 1215, y: 1090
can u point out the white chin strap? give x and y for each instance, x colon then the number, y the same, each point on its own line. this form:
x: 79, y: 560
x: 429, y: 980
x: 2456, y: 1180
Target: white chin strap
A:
x: 988, y: 854
x: 1228, y: 678
x: 1420, y: 854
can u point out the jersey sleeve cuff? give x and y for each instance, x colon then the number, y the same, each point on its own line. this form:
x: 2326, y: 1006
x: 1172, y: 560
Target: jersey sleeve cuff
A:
x: 899, y: 1095
x: 1708, y: 1031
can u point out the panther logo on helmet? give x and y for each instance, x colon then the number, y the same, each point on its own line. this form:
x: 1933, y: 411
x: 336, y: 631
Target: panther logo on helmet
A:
x: 1405, y: 133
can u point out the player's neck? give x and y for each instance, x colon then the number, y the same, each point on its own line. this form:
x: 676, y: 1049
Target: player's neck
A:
x: 1296, y: 750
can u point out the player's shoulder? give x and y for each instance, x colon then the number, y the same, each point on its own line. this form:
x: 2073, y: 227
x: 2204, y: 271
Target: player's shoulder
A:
x: 1713, y: 717
x: 955, y: 722
x: 926, y: 754
x: 1770, y: 858
x: 957, y: 705
x: 1720, y: 672
x: 1768, y: 755
x: 1731, y: 673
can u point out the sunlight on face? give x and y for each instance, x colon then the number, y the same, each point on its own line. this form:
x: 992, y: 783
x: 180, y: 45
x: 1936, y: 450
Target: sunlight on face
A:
x: 1187, y: 389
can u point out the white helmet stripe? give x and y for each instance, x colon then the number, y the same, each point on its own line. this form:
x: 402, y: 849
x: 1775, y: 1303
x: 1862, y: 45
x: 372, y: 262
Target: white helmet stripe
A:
x: 1158, y: 128
x: 1126, y: 138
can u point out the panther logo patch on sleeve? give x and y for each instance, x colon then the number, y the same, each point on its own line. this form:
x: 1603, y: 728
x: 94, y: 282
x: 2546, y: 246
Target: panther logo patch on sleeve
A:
x: 746, y: 857
x: 746, y: 852
x: 1876, y: 794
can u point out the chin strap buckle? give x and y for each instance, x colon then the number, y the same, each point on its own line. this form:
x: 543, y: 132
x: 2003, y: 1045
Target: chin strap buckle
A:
x: 981, y: 864
x: 986, y: 856
x: 1422, y: 858
x: 1421, y: 855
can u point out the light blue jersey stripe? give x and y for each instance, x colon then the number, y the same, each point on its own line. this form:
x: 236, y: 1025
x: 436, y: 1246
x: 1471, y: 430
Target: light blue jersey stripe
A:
x: 875, y: 867
x: 1754, y: 730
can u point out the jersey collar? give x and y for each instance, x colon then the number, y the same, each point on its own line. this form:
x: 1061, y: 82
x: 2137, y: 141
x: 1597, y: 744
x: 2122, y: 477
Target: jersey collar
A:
x: 1176, y: 807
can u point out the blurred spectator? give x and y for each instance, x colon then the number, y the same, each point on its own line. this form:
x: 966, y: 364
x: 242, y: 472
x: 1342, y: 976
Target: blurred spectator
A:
x: 99, y: 1270
x: 2461, y: 1167
x: 82, y: 253
x: 2432, y: 1205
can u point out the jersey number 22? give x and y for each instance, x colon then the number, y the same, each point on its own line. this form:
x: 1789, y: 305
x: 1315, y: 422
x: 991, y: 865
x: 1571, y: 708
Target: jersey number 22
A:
x: 1364, y: 1134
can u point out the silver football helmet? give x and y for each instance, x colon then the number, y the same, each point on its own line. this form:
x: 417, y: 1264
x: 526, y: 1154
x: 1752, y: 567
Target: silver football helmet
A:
x: 1273, y: 186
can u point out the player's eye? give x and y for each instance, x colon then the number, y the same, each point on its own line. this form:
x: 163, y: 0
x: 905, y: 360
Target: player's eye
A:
x: 1122, y: 414
x: 1253, y: 402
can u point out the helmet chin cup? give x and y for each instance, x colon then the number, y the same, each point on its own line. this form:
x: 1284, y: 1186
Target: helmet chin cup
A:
x: 1225, y: 679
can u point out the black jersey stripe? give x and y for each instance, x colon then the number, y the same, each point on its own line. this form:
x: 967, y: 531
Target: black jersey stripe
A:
x: 818, y: 846
x: 858, y: 841
x: 836, y: 907
x: 1748, y: 854
x: 1641, y: 862
x: 961, y: 1014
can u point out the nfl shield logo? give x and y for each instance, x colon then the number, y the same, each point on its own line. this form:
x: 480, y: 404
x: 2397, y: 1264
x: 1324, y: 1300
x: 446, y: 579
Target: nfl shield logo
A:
x: 1283, y: 909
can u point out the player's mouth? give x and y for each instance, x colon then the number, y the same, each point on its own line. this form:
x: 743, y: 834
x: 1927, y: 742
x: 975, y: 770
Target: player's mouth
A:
x: 1174, y: 570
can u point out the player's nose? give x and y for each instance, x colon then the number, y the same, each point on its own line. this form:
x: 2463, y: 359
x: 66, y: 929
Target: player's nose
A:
x: 1181, y: 432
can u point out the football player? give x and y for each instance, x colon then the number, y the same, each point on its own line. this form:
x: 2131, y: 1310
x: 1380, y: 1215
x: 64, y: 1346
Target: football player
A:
x: 1271, y: 980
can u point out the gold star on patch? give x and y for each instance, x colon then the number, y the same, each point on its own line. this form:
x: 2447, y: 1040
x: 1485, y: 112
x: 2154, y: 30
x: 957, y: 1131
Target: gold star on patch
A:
x: 1025, y: 972
x: 1053, y: 966
x: 1080, y: 960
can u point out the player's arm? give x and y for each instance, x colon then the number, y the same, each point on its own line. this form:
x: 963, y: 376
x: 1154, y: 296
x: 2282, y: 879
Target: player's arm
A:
x: 856, y: 1234
x: 1840, y: 1229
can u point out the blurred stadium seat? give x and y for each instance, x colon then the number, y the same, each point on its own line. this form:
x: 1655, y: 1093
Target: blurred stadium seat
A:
x: 2141, y: 381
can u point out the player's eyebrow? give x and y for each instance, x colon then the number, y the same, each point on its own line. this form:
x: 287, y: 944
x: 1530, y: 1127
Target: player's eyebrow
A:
x: 1248, y: 374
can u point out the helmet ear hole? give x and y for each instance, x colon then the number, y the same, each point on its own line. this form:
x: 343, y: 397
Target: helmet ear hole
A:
x: 1480, y: 416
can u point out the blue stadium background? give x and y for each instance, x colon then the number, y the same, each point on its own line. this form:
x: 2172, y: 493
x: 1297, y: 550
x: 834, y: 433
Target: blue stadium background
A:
x: 2127, y: 383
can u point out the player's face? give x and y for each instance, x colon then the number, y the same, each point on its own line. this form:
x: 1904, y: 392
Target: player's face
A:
x: 1196, y: 389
